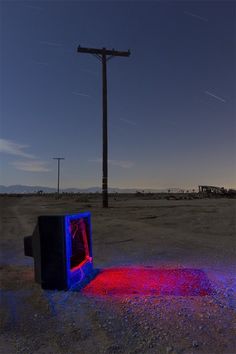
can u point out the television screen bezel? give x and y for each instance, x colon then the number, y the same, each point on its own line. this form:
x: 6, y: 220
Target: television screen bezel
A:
x: 78, y: 274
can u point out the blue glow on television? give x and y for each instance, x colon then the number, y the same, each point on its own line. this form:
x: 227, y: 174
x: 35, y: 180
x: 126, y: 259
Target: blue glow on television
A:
x: 79, y: 260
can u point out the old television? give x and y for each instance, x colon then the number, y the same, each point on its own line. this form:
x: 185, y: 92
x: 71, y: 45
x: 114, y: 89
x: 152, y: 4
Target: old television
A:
x: 61, y: 246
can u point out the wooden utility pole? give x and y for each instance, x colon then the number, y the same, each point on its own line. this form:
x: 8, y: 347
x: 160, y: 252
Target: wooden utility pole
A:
x: 58, y: 173
x: 104, y: 55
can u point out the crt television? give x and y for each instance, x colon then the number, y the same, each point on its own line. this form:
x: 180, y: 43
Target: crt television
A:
x: 61, y: 246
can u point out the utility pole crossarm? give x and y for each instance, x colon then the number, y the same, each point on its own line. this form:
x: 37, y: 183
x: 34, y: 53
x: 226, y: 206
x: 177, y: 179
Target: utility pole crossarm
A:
x: 103, y: 51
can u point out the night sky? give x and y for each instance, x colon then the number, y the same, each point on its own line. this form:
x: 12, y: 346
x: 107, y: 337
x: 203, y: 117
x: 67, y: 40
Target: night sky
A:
x: 171, y: 104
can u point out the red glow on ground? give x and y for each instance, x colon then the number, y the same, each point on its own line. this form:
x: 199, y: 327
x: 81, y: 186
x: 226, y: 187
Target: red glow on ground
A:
x: 149, y: 281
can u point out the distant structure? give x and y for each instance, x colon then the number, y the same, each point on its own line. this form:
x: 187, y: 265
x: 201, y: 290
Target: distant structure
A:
x: 212, y: 191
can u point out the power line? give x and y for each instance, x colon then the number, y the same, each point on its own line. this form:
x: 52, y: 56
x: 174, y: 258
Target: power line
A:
x: 58, y: 173
x: 104, y: 55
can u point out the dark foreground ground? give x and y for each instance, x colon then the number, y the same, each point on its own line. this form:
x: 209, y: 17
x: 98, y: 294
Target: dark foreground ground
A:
x: 167, y: 282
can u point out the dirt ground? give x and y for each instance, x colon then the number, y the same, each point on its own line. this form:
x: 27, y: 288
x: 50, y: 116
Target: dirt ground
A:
x: 135, y: 238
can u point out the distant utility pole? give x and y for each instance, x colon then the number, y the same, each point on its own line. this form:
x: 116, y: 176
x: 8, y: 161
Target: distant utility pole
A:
x: 104, y: 55
x: 58, y: 173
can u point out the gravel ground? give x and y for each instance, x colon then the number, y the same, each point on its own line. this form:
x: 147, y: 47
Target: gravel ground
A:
x: 158, y: 235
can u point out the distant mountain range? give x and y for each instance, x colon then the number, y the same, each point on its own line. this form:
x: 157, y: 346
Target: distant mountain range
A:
x: 34, y: 189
